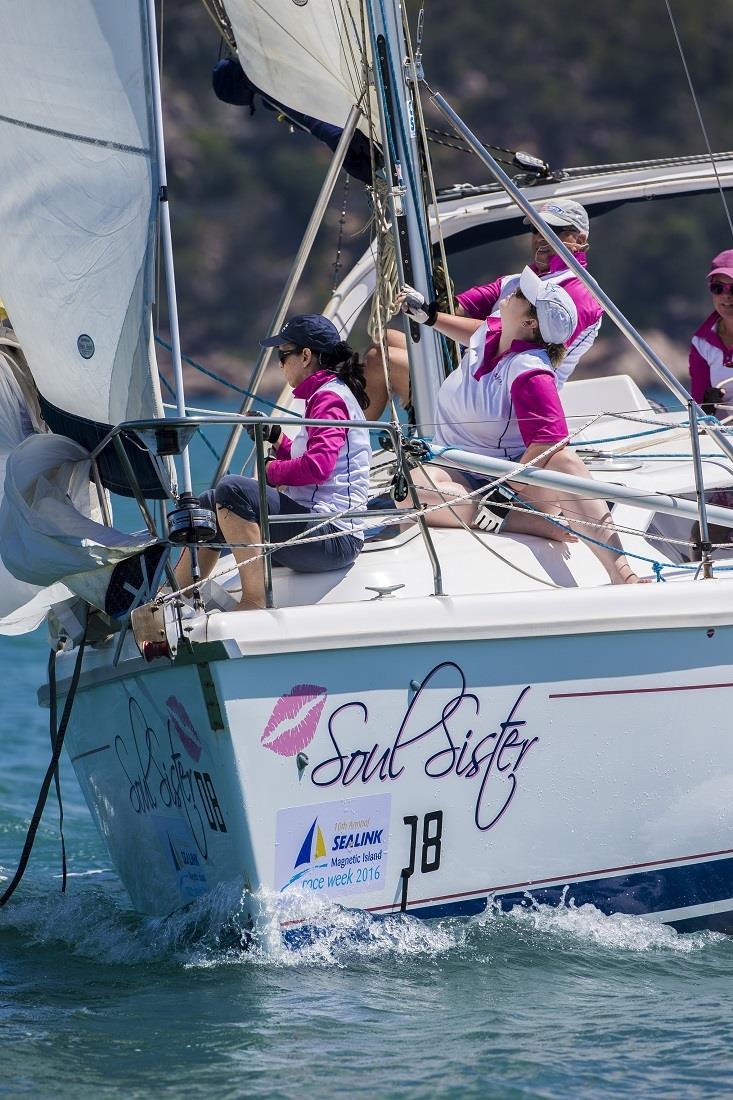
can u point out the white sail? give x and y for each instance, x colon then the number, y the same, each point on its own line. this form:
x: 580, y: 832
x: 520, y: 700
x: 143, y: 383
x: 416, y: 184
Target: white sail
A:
x: 78, y: 203
x: 306, y: 55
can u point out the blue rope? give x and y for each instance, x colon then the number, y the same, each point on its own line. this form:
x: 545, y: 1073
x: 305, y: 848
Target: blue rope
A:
x: 618, y: 438
x: 225, y: 382
x: 639, y: 435
x: 643, y: 457
x: 657, y: 566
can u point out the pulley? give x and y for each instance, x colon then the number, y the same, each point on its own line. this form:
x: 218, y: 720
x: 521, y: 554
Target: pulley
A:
x: 190, y: 522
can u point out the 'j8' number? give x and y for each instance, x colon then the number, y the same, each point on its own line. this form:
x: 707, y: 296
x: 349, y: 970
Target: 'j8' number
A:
x: 432, y: 836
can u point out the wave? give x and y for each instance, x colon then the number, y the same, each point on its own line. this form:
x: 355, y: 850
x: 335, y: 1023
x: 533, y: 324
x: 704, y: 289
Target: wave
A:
x: 94, y: 920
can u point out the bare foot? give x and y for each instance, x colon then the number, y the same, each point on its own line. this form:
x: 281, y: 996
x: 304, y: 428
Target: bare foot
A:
x: 626, y: 575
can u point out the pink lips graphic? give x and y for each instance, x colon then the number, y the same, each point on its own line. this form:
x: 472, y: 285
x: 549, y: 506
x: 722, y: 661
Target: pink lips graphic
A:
x: 184, y: 727
x: 294, y: 720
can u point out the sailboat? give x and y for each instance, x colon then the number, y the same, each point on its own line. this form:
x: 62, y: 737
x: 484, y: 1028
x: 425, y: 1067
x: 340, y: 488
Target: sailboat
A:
x: 461, y: 720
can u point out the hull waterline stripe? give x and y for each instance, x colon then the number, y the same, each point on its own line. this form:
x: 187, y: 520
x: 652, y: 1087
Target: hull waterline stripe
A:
x: 90, y: 752
x: 702, y: 889
x: 636, y: 691
x: 560, y: 880
x: 99, y: 142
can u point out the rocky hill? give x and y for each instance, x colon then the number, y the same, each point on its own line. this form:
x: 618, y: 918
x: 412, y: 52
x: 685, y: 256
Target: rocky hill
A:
x: 573, y: 84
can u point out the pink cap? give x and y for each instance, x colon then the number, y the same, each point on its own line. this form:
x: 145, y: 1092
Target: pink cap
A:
x: 723, y: 264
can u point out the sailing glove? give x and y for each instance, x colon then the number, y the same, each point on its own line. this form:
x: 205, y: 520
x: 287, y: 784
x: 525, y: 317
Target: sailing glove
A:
x: 415, y: 306
x: 270, y: 432
x: 713, y: 396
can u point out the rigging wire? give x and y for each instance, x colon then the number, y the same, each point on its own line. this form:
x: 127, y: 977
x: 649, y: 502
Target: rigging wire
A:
x: 159, y: 244
x: 699, y: 113
x: 436, y: 137
x: 341, y: 23
x: 215, y: 11
x: 337, y: 264
x: 379, y: 236
x: 432, y: 192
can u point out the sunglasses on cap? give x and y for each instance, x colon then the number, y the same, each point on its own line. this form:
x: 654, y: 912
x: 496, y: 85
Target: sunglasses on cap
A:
x: 721, y: 288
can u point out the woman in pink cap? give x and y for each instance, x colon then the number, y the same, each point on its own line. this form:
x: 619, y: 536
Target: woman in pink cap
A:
x: 711, y: 349
x: 502, y: 402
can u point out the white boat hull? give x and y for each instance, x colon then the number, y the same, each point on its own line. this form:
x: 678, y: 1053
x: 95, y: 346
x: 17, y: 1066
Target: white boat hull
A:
x: 494, y: 768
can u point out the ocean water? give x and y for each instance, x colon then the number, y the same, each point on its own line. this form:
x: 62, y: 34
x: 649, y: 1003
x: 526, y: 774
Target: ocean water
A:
x: 96, y: 1001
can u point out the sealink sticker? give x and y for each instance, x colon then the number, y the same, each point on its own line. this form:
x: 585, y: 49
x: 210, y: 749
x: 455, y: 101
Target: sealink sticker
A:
x: 333, y: 849
x: 185, y: 860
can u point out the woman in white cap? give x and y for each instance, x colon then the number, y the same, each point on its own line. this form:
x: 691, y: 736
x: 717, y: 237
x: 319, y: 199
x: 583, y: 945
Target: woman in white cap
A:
x: 502, y: 401
x: 571, y: 223
x: 711, y: 349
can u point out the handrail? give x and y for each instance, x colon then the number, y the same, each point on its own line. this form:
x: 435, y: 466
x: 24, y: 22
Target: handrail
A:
x: 258, y: 423
x: 580, y: 486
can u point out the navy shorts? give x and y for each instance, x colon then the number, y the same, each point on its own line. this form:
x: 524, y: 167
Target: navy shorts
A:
x: 241, y: 496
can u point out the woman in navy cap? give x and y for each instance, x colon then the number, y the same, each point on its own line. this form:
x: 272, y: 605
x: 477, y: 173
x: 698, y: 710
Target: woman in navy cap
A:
x: 323, y: 469
x: 711, y: 349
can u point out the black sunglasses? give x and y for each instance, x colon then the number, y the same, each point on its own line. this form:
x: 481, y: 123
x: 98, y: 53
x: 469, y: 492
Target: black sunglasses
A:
x: 559, y: 229
x: 721, y: 288
x: 285, y: 353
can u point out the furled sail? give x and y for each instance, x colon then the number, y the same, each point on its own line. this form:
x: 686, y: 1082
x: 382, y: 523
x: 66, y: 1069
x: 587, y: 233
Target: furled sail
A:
x: 305, y: 54
x: 78, y: 207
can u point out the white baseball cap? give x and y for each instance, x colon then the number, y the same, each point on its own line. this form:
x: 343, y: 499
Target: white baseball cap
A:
x: 564, y: 213
x: 556, y: 312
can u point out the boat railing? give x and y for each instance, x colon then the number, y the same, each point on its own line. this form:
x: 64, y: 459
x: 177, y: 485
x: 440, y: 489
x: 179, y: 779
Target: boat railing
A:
x: 163, y: 438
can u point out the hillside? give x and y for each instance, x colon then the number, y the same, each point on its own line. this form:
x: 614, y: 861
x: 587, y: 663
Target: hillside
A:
x: 572, y: 87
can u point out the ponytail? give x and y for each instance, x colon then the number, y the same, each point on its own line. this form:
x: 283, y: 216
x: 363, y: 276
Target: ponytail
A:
x: 555, y: 352
x: 348, y: 368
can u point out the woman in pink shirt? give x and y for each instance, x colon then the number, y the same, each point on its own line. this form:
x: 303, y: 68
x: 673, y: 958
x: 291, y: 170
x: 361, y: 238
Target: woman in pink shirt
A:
x: 571, y: 223
x: 322, y: 470
x: 711, y: 348
x: 502, y: 401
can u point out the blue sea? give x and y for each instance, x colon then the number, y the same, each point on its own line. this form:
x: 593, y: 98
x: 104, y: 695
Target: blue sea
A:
x: 99, y: 1001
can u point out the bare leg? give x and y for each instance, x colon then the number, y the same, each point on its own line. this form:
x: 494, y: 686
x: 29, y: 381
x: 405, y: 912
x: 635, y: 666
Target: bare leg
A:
x: 448, y: 486
x: 207, y: 560
x: 236, y: 531
x: 397, y: 366
x: 553, y: 501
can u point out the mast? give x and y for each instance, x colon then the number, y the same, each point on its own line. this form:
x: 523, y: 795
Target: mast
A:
x: 413, y: 251
x: 167, y: 240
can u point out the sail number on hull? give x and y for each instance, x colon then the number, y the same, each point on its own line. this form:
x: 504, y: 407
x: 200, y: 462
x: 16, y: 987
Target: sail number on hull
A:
x: 432, y: 839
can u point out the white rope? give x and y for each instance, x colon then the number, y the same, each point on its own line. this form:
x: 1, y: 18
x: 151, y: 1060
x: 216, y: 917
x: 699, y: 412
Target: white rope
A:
x: 405, y: 515
x: 387, y: 279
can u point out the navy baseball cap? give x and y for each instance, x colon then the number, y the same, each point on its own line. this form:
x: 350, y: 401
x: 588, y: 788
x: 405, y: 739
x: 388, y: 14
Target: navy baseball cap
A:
x: 309, y: 330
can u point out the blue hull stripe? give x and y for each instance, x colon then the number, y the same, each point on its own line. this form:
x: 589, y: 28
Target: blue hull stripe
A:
x: 642, y: 893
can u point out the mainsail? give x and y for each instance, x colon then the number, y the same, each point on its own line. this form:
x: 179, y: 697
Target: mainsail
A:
x: 78, y: 206
x: 307, y: 55
x: 77, y: 222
